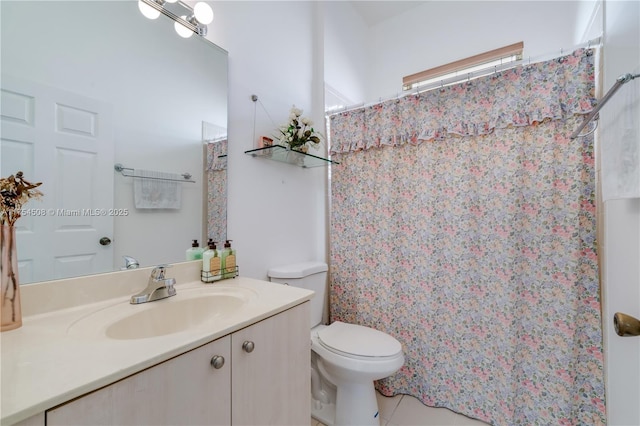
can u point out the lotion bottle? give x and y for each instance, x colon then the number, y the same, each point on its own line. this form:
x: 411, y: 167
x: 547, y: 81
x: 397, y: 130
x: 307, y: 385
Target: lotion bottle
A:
x: 211, y: 264
x: 228, y: 260
x: 195, y: 252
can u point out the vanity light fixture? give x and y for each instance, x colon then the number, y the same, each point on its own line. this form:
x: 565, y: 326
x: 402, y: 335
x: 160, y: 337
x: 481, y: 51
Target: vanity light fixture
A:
x: 187, y: 20
x: 148, y: 11
x: 181, y: 29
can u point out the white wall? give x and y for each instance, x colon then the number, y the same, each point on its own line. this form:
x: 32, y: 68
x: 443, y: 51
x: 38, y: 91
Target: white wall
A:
x: 621, y: 271
x: 276, y: 212
x: 439, y: 32
x: 346, y: 54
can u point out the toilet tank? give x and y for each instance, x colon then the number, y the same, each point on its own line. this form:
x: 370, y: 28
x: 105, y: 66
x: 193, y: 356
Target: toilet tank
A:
x: 308, y: 275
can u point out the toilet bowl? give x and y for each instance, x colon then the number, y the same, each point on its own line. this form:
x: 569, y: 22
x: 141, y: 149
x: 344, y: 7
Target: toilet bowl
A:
x: 345, y: 358
x: 351, y: 357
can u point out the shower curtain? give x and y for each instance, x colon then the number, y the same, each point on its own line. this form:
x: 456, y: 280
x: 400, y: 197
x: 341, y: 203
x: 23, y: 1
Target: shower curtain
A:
x: 216, y: 189
x: 463, y: 224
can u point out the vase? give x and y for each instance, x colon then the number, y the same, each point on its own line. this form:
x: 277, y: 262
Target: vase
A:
x: 10, y: 309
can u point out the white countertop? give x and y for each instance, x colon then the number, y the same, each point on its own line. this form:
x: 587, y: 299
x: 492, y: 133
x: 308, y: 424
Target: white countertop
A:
x: 44, y: 364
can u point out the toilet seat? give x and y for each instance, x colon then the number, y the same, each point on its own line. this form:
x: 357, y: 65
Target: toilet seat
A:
x: 357, y: 341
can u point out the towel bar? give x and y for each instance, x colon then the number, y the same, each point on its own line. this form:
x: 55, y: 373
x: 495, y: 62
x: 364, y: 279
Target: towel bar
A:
x: 120, y: 168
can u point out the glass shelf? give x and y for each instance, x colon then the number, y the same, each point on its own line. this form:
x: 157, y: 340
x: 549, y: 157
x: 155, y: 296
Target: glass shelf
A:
x: 285, y: 155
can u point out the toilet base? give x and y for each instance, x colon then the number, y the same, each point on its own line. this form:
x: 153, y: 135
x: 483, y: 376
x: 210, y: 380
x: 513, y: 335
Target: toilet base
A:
x: 362, y: 397
x: 323, y: 412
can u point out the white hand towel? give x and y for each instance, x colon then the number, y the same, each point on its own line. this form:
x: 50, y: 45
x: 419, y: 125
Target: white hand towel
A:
x: 156, y: 193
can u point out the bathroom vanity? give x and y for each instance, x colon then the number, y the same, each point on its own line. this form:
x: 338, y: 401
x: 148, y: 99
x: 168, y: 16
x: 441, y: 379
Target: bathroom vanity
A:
x: 235, y: 352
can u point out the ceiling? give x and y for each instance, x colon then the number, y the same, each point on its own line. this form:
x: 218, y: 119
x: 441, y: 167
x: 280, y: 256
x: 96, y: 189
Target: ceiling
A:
x: 374, y: 12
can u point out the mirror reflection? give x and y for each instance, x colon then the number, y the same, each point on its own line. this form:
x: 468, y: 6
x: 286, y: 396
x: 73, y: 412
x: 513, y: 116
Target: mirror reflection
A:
x: 89, y: 85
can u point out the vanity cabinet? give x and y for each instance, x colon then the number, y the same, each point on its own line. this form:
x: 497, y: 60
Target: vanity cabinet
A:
x: 271, y: 370
x: 183, y: 390
x: 256, y: 375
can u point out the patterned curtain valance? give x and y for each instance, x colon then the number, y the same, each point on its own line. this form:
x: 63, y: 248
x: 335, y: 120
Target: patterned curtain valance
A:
x: 520, y: 96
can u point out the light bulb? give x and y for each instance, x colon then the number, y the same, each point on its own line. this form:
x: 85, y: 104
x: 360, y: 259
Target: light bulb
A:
x: 182, y: 30
x: 203, y: 13
x: 148, y: 11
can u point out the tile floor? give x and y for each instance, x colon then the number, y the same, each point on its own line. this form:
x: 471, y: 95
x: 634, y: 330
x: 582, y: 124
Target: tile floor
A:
x: 405, y: 410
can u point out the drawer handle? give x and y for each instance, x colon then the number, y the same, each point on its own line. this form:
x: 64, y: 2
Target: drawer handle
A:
x: 248, y: 346
x: 217, y: 361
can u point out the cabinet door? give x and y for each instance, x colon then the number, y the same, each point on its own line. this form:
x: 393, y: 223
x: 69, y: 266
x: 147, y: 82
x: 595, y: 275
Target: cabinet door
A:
x: 37, y: 420
x: 186, y: 390
x: 271, y: 384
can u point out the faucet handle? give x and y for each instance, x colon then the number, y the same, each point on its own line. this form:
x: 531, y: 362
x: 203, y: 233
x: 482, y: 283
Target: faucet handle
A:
x: 158, y: 272
x: 130, y: 262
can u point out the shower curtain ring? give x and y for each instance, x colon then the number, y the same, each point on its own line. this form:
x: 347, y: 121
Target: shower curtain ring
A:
x: 594, y: 123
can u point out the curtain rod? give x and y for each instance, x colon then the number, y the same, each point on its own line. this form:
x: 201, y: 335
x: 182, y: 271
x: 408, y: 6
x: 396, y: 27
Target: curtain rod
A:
x: 625, y: 78
x: 482, y: 58
x: 591, y: 43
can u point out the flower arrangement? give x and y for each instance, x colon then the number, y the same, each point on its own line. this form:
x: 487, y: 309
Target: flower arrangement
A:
x: 15, y: 191
x: 298, y: 132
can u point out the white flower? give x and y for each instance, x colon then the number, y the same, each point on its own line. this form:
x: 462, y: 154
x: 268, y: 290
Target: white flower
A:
x: 297, y: 112
x: 298, y: 132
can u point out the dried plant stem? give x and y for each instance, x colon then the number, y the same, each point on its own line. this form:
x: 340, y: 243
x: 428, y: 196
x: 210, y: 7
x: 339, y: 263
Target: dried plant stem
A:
x: 12, y: 277
x: 8, y: 272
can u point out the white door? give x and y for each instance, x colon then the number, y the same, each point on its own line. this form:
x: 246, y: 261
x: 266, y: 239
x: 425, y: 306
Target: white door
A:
x: 621, y: 217
x: 64, y: 141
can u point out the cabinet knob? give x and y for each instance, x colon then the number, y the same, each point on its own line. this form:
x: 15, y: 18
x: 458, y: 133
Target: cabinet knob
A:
x: 217, y: 361
x: 248, y: 346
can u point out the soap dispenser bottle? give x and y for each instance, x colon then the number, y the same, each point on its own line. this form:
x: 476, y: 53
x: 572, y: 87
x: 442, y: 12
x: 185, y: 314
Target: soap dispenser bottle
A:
x: 211, y: 264
x: 195, y: 252
x: 228, y: 260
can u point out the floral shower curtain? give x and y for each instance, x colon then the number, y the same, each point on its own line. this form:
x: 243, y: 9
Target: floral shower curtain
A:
x: 463, y: 224
x: 216, y: 190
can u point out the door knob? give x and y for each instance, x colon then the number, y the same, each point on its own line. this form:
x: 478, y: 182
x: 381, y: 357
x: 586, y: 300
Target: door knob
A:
x: 248, y: 346
x: 626, y: 325
x: 105, y: 241
x: 217, y: 362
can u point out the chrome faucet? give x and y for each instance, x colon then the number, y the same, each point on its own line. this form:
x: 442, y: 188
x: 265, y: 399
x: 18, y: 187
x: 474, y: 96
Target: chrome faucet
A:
x: 159, y: 287
x: 130, y: 262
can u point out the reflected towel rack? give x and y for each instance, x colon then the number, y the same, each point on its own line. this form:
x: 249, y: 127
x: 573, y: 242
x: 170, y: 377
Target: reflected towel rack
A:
x: 125, y: 170
x: 625, y: 78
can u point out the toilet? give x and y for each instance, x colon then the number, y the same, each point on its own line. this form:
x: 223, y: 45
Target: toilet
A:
x: 345, y: 358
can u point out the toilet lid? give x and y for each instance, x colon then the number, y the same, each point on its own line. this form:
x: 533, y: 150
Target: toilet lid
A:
x: 358, y: 340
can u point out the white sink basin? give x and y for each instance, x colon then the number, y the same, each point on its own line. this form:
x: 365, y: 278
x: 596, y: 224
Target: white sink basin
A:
x: 189, y: 310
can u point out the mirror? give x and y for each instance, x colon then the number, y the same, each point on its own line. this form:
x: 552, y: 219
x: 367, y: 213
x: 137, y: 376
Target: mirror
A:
x: 88, y: 85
